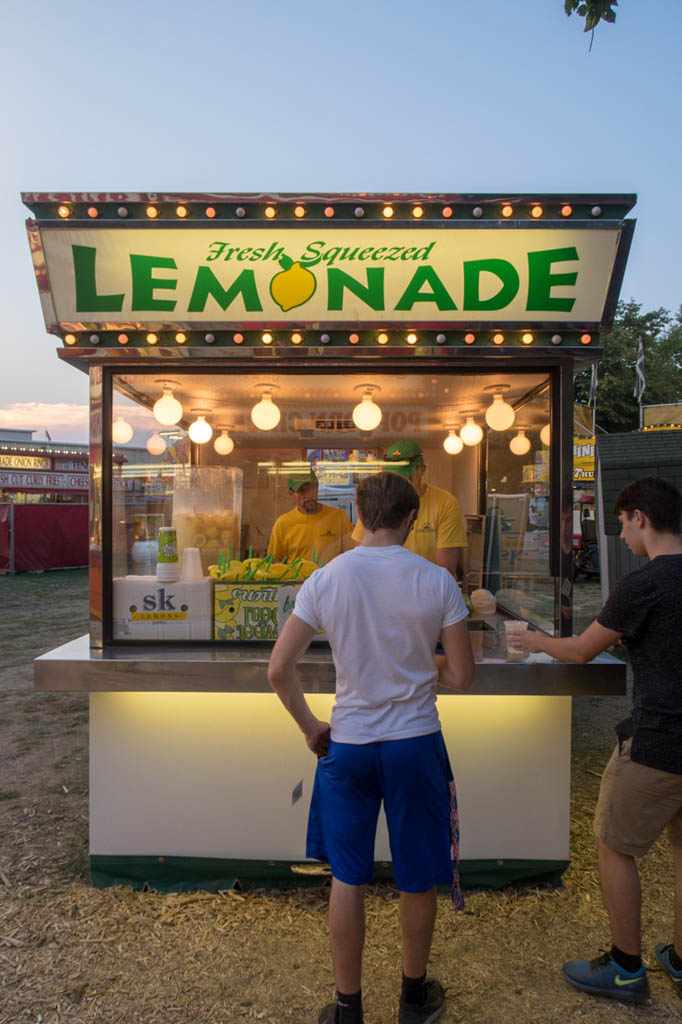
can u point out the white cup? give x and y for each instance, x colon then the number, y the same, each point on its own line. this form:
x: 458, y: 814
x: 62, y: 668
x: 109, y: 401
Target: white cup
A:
x: 512, y: 628
x: 191, y: 564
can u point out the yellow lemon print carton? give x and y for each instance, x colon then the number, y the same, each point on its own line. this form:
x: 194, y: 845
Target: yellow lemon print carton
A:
x: 255, y: 596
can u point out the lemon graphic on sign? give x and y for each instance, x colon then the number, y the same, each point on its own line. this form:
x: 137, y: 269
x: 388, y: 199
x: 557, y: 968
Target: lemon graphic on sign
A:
x: 293, y: 285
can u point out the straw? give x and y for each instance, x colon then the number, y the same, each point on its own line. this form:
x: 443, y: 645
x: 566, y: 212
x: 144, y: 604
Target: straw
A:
x: 250, y: 550
x: 315, y: 557
x: 229, y: 555
x: 252, y: 572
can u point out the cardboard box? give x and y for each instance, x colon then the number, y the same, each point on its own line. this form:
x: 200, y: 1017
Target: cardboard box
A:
x: 146, y: 609
x: 250, y: 610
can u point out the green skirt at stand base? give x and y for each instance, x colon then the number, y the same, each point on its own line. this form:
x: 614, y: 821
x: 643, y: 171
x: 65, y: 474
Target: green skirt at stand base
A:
x: 187, y: 874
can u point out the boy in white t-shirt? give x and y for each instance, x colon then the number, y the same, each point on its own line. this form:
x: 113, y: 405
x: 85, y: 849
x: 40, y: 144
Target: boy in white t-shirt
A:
x: 384, y: 609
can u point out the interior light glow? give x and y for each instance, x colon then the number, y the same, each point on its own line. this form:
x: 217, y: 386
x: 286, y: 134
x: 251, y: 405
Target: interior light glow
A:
x: 453, y: 444
x: 447, y: 211
x: 417, y: 212
x: 536, y: 211
x: 93, y: 212
x: 181, y: 211
x: 123, y: 339
x: 527, y: 338
x: 367, y: 414
x: 152, y: 212
x: 238, y: 339
x: 223, y: 444
x: 382, y: 338
x: 70, y: 339
x: 210, y: 212
x: 585, y: 339
x: 469, y: 339
x: 296, y: 338
x: 546, y: 434
x: 499, y: 415
x: 156, y: 445
x: 200, y: 431
x: 265, y: 414
x: 121, y: 431
x: 64, y: 211
x: 152, y: 338
x: 270, y: 212
x: 498, y: 339
x: 329, y: 211
x: 387, y: 212
x: 266, y: 338
x: 412, y: 339
x: 519, y: 444
x: 507, y: 210
x: 566, y: 210
x: 471, y: 433
x: 167, y: 410
x: 299, y: 211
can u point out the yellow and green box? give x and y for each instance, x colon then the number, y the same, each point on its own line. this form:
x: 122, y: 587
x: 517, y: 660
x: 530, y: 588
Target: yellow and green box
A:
x: 252, y: 610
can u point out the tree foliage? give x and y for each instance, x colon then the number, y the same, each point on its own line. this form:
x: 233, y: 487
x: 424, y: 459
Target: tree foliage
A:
x: 617, y: 408
x: 593, y: 11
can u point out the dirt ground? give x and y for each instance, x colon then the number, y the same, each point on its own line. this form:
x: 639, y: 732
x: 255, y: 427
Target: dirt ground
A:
x: 72, y: 954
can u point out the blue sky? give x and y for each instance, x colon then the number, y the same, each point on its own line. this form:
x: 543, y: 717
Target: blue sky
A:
x: 374, y: 96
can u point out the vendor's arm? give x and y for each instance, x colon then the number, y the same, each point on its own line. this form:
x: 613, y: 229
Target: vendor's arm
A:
x: 276, y: 546
x: 291, y: 645
x: 450, y: 535
x: 448, y: 558
x: 581, y: 649
x: 456, y: 666
x: 343, y: 542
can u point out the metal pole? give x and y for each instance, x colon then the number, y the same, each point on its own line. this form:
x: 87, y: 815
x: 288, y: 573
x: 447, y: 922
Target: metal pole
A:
x: 11, y: 538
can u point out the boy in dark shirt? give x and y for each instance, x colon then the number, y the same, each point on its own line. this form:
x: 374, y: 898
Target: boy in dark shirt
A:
x: 641, y: 789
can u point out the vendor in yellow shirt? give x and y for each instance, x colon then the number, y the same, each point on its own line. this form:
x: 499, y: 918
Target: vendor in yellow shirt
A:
x: 438, y: 532
x: 309, y: 527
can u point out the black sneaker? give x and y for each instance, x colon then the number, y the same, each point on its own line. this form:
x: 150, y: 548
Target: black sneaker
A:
x: 430, y: 1009
x: 329, y: 1015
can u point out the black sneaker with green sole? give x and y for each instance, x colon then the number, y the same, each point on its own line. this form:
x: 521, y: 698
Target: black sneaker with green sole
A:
x: 429, y: 1010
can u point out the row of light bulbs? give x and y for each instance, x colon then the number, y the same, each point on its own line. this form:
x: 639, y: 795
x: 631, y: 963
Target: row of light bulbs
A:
x: 296, y: 338
x: 270, y: 211
x: 471, y: 434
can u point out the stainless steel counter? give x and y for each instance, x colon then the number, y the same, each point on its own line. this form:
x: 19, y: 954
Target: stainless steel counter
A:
x: 243, y: 669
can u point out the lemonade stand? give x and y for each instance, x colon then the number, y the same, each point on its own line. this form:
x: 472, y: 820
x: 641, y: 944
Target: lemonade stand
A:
x: 241, y: 338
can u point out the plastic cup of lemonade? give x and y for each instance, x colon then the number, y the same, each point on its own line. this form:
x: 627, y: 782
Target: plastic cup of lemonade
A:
x: 512, y: 628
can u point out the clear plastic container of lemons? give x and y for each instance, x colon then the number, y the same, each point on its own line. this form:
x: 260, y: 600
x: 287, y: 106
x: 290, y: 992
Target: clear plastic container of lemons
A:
x: 207, y: 511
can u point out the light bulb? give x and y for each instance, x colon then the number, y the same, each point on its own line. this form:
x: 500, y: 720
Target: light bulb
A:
x: 452, y: 443
x: 167, y: 410
x: 265, y: 414
x: 471, y: 433
x: 200, y: 431
x: 121, y: 431
x: 223, y: 444
x: 499, y: 415
x: 520, y: 444
x: 366, y: 414
x: 156, y: 445
x: 546, y: 434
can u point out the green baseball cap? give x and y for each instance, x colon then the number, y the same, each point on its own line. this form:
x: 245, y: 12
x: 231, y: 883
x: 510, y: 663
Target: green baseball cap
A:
x: 405, y: 451
x: 298, y: 480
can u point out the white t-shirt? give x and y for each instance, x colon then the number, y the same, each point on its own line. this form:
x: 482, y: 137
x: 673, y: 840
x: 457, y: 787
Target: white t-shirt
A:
x: 383, y: 609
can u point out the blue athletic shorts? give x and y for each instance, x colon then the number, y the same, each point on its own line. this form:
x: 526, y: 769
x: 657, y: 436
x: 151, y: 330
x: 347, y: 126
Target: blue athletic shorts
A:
x: 413, y: 778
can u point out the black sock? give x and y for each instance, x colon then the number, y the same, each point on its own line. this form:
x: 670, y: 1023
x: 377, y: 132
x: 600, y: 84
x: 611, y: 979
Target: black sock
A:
x: 625, y: 960
x: 349, y: 1007
x: 414, y: 989
x: 675, y: 959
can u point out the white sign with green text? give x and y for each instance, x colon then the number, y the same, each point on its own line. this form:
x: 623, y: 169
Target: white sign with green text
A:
x: 320, y: 275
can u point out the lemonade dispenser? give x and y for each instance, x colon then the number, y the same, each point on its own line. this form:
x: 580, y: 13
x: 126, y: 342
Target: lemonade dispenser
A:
x: 207, y: 511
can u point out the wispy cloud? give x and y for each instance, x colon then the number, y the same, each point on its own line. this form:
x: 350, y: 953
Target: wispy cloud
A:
x: 64, y: 420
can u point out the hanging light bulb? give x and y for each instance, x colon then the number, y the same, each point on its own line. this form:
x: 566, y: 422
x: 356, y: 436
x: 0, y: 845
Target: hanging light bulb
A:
x: 520, y: 444
x: 471, y: 433
x: 499, y: 415
x: 223, y: 444
x: 200, y: 431
x: 546, y: 434
x: 167, y: 410
x: 366, y: 414
x: 265, y: 414
x: 453, y: 444
x: 156, y: 445
x: 121, y: 431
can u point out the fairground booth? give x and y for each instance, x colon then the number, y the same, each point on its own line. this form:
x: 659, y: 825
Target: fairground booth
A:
x: 242, y: 340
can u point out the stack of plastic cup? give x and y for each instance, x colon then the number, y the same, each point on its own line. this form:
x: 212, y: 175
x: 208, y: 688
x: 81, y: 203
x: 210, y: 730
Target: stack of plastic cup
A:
x: 167, y: 567
x: 191, y: 564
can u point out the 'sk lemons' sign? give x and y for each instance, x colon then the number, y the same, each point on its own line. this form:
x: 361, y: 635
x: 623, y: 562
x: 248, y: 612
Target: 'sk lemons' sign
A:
x: 215, y: 276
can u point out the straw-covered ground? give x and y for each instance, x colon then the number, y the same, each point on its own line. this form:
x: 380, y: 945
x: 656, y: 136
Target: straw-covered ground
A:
x: 72, y: 954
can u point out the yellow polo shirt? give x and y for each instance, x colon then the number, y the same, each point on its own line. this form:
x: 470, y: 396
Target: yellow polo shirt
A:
x: 294, y: 534
x: 438, y: 525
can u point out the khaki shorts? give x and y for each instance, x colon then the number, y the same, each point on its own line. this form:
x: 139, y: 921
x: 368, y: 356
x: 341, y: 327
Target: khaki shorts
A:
x: 635, y: 805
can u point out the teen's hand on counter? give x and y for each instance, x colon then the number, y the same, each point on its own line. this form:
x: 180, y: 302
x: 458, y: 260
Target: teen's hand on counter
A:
x: 317, y: 738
